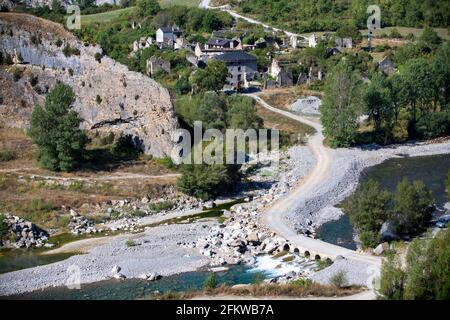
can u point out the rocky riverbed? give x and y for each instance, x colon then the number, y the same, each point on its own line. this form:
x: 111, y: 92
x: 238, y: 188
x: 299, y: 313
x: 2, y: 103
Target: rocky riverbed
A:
x: 319, y: 207
x: 157, y: 251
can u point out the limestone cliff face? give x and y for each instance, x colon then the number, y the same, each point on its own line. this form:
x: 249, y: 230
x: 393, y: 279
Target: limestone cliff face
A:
x: 109, y: 96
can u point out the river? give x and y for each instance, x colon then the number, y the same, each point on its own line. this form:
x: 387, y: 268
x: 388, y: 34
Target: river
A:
x: 432, y: 170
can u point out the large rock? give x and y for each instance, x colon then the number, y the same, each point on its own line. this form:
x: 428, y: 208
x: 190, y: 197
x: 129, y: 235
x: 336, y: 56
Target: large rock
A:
x: 131, y: 103
x: 387, y: 232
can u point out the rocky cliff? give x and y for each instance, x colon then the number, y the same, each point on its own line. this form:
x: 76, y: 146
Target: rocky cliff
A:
x: 109, y: 96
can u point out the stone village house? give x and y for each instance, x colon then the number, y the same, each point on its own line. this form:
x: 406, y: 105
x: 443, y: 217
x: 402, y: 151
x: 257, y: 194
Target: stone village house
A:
x: 242, y: 68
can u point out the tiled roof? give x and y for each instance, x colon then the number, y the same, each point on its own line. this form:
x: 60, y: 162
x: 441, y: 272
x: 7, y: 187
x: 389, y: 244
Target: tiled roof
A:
x: 236, y: 56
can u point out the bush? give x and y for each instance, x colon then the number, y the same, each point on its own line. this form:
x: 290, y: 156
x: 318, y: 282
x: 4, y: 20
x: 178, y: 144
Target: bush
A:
x: 207, y: 181
x: 69, y: 51
x: 98, y: 57
x: 210, y: 282
x: 34, y: 80
x: 182, y: 86
x: 392, y: 279
x: 17, y: 74
x: 125, y: 149
x: 98, y: 99
x: 130, y: 243
x: 161, y: 206
x: 108, y: 139
x: 3, y: 228
x: 433, y: 125
x: 76, y: 186
x: 339, y: 279
x: 7, y: 155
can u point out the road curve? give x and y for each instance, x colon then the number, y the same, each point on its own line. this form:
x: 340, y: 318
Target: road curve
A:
x: 275, y: 214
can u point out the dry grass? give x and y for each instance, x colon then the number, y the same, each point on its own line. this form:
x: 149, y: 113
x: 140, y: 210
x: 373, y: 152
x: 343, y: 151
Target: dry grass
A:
x: 40, y: 200
x: 282, y: 98
x: 267, y: 290
x: 274, y: 120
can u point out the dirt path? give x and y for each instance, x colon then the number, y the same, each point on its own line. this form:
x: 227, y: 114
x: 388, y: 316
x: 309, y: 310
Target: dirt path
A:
x: 116, y: 176
x: 275, y: 214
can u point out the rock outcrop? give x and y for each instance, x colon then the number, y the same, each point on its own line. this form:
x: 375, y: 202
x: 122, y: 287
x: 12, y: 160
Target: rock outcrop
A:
x: 110, y: 98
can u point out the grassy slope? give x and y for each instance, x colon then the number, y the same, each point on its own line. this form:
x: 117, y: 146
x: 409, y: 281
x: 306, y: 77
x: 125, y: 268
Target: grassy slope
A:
x: 104, y: 16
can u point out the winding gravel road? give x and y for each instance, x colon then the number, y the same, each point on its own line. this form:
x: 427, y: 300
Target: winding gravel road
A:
x: 274, y: 216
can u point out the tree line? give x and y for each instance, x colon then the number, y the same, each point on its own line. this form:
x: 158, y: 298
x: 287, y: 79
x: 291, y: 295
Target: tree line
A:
x: 411, y: 103
x: 407, y: 211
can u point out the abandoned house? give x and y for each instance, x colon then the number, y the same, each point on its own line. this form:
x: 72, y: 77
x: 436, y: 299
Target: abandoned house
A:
x: 242, y: 68
x: 344, y: 43
x: 155, y: 64
x: 386, y: 65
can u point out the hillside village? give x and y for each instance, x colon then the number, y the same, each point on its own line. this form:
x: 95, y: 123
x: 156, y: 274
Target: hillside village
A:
x: 354, y: 185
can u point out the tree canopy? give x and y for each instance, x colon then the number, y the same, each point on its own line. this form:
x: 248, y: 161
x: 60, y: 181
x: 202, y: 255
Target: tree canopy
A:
x: 55, y: 130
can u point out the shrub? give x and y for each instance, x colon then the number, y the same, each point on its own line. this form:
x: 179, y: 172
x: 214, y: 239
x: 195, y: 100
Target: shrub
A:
x: 7, y: 155
x: 58, y: 43
x: 3, y: 228
x: 17, y: 74
x: 161, y: 206
x: 125, y: 149
x: 210, y: 282
x: 70, y: 72
x: 433, y: 125
x: 34, y: 80
x: 339, y: 279
x: 130, y: 243
x: 207, y: 181
x: 98, y: 99
x: 98, y: 57
x: 108, y: 139
x: 76, y: 186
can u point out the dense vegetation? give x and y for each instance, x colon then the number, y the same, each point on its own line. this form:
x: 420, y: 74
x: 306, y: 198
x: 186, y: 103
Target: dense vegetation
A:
x: 408, y: 210
x: 329, y: 15
x: 55, y: 130
x: 411, y: 103
x: 216, y: 111
x: 425, y: 275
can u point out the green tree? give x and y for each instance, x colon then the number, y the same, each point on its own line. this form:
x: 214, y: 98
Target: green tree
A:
x: 55, y: 130
x: 242, y: 113
x: 413, y: 206
x: 425, y: 274
x: 146, y: 8
x: 210, y: 282
x: 417, y: 76
x: 342, y: 105
x: 377, y: 102
x: 392, y: 278
x: 368, y: 210
x: 212, y: 78
x: 441, y: 73
x: 182, y: 86
x: 431, y: 38
x: 207, y: 181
